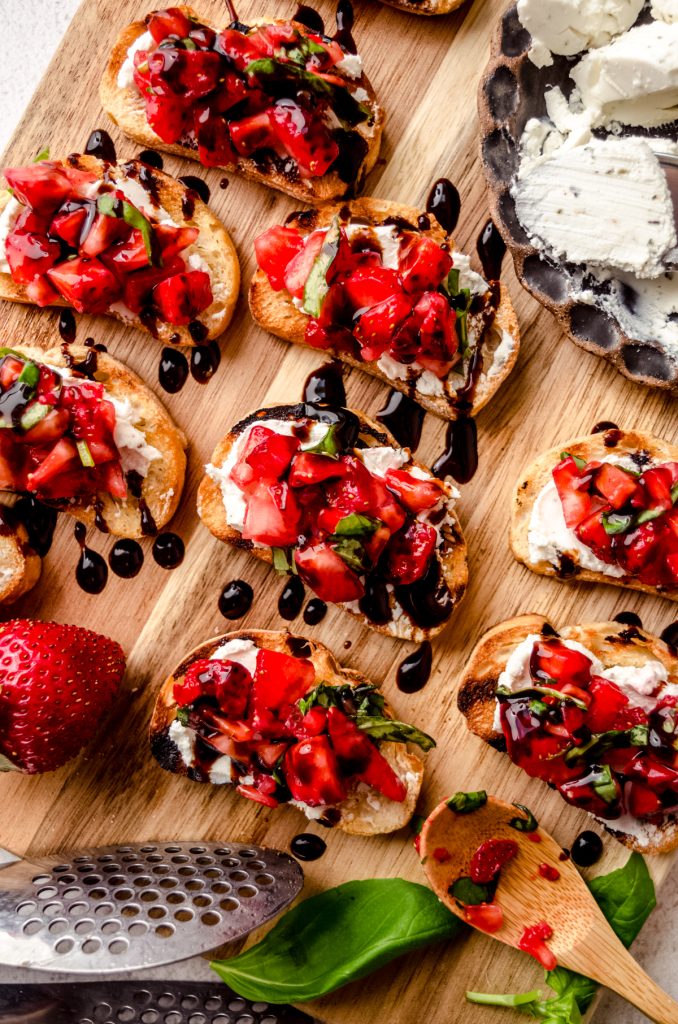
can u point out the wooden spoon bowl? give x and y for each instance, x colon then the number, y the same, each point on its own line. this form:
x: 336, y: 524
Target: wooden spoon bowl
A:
x: 582, y: 939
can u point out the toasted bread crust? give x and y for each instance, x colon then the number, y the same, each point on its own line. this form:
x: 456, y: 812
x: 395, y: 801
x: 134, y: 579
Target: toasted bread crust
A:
x: 452, y: 557
x: 427, y: 7
x: 20, y: 567
x: 162, y: 486
x: 358, y: 816
x: 276, y: 312
x: 213, y: 244
x: 126, y: 109
x: 614, y: 643
x: 538, y: 474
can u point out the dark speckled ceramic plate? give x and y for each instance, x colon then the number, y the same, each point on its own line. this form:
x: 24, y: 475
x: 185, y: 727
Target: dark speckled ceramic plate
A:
x: 511, y: 92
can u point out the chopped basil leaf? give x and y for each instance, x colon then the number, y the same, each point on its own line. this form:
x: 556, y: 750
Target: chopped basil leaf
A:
x: 84, y: 453
x: 108, y: 205
x: 30, y: 374
x: 614, y: 523
x: 327, y: 445
x: 363, y: 699
x: 42, y: 155
x: 353, y: 553
x: 316, y: 287
x: 511, y: 999
x: 559, y: 695
x: 579, y: 463
x: 538, y: 707
x: 464, y: 803
x: 451, y: 282
x: 380, y: 728
x: 469, y: 893
x: 604, y: 784
x: 528, y: 824
x: 648, y: 514
x: 674, y: 493
x: 283, y: 561
x: 356, y: 525
x: 33, y: 415
x: 189, y: 44
x: 603, y: 741
x: 305, y: 48
x: 182, y: 714
x: 268, y: 68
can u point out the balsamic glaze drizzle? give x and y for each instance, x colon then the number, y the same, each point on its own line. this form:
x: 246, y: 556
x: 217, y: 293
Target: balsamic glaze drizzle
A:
x: 100, y: 144
x: 414, y: 671
x: 444, y: 203
x: 205, y: 361
x: 67, y: 326
x: 168, y: 550
x: 326, y: 384
x: 291, y: 598
x: 236, y: 599
x: 307, y: 847
x: 126, y: 558
x: 491, y: 249
x: 91, y: 572
x: 404, y: 418
x: 172, y: 370
x: 315, y: 611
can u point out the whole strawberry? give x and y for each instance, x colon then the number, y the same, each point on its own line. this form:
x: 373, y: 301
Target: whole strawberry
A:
x: 56, y: 682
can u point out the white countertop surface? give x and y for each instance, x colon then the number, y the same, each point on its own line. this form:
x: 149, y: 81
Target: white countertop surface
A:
x: 31, y: 32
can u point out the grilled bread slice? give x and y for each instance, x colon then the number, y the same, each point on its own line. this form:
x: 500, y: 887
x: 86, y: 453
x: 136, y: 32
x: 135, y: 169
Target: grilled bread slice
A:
x: 425, y: 6
x: 364, y: 812
x: 125, y: 107
x: 450, y: 554
x: 610, y: 443
x: 613, y: 643
x: 20, y: 566
x: 500, y: 340
x: 161, y: 488
x: 167, y: 198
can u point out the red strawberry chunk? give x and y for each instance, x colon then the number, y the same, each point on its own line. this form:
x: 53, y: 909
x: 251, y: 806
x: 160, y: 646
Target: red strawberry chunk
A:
x: 642, y: 802
x: 375, y: 327
x: 533, y: 941
x: 299, y: 267
x: 591, y: 532
x: 169, y: 116
x: 103, y: 233
x: 274, y: 249
x: 271, y: 459
x: 169, y: 22
x: 238, y: 47
x: 68, y: 224
x: 368, y: 286
x: 416, y: 494
x: 409, y: 552
x: 438, y: 337
x: 309, y: 468
x: 43, y: 186
x: 327, y: 574
x: 139, y: 284
x: 424, y: 265
x: 488, y: 917
x: 312, y: 773
x: 227, y: 681
x: 552, y: 660
x: 490, y: 858
x: 182, y: 297
x: 304, y: 136
x: 658, y: 482
x: 280, y: 680
x: 189, y: 74
x: 640, y: 547
x: 251, y: 133
x: 86, y: 284
x: 608, y: 702
x: 127, y: 255
x: 30, y: 255
x: 272, y: 516
x: 615, y: 485
x: 360, y: 757
x: 571, y: 485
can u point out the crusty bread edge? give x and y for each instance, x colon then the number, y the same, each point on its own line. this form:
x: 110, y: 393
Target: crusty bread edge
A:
x: 17, y: 557
x: 125, y: 110
x: 366, y: 820
x: 453, y: 563
x: 538, y: 474
x: 276, y: 312
x: 425, y: 7
x: 612, y: 642
x: 214, y: 244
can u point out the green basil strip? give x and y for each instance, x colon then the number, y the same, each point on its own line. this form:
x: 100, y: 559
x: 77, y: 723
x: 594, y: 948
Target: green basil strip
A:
x: 85, y: 454
x: 316, y: 287
x: 327, y: 445
x: 579, y: 463
x: 337, y: 937
x: 674, y: 493
x: 283, y: 561
x: 351, y: 551
x: 107, y: 204
x: 614, y: 523
x: 397, y: 732
x: 356, y: 525
x: 649, y: 514
x: 469, y: 892
x: 528, y: 824
x: 365, y: 698
x: 42, y: 155
x: 464, y: 803
x: 30, y: 374
x: 517, y: 999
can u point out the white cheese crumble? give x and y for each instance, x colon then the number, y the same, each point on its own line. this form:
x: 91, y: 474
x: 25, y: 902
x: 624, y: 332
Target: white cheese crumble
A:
x: 125, y: 78
x: 379, y: 460
x: 241, y: 651
x: 135, y: 451
x: 569, y: 26
x: 351, y: 65
x: 7, y: 221
x: 184, y: 739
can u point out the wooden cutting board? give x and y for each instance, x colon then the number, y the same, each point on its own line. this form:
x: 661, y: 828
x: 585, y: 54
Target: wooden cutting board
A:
x: 426, y: 74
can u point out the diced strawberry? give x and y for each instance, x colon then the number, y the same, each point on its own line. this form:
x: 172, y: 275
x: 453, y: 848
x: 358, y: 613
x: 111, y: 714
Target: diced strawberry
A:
x: 299, y: 267
x: 274, y: 249
x: 572, y: 491
x: 43, y: 186
x: 368, y: 286
x: 30, y: 255
x: 438, y: 338
x: 656, y: 774
x: 305, y: 137
x: 251, y: 133
x: 641, y: 546
x: 533, y: 941
x: 40, y: 291
x: 139, y: 284
x: 103, y: 233
x: 375, y: 327
x: 213, y: 137
x: 10, y: 370
x: 314, y: 722
x: 169, y: 22
x: 424, y: 265
x: 252, y: 793
x: 169, y: 116
x: 409, y: 552
x: 237, y: 47
x: 270, y: 38
x: 171, y: 240
x: 657, y: 482
x: 190, y: 74
x: 327, y: 574
x: 86, y: 284
x: 415, y: 494
x: 488, y: 917
x: 272, y: 515
x: 61, y: 458
x: 280, y: 680
x: 552, y: 660
x: 672, y: 567
x: 615, y: 485
x: 48, y: 430
x: 309, y: 468
x: 312, y: 773
x: 592, y: 533
x: 359, y: 756
x: 69, y: 224
x: 608, y: 702
x: 490, y: 857
x: 642, y: 802
x: 181, y: 297
x: 127, y: 255
x: 268, y: 461
x: 242, y: 473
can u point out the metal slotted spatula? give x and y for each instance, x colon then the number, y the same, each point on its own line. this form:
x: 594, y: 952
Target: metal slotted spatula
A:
x: 130, y: 906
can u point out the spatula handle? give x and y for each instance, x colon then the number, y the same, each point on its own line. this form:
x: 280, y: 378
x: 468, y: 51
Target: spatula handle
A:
x: 617, y: 970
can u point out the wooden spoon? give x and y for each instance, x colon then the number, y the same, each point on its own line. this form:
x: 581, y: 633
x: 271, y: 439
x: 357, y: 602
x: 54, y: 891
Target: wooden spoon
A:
x: 582, y: 939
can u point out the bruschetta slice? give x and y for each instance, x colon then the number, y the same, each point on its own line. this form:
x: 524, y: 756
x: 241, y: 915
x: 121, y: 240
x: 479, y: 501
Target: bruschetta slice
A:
x: 327, y: 494
x: 126, y: 240
x: 602, y: 508
x: 277, y: 717
x: 84, y: 434
x: 273, y: 101
x: 425, y: 6
x: 382, y: 287
x: 592, y: 710
x: 20, y: 565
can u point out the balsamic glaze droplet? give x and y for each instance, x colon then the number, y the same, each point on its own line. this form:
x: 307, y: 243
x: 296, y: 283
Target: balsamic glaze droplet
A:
x: 414, y: 671
x: 126, y: 558
x: 326, y: 384
x: 345, y: 18
x: 205, y: 362
x: 291, y: 598
x: 586, y: 849
x: 91, y: 572
x: 198, y: 331
x: 67, y: 327
x: 444, y: 203
x: 148, y: 527
x: 173, y: 370
x: 236, y: 599
x: 306, y: 846
x: 168, y: 550
x: 428, y: 601
x: 40, y: 522
x: 315, y: 611
x: 602, y: 425
x: 629, y: 619
x: 152, y: 158
x: 299, y: 647
x: 460, y: 458
x: 196, y: 185
x: 310, y: 18
x: 374, y: 603
x: 223, y: 183
x: 404, y: 418
x: 491, y: 248
x: 100, y: 144
x: 670, y: 635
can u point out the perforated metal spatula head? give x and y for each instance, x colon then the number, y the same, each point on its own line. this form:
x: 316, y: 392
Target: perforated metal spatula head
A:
x: 125, y: 907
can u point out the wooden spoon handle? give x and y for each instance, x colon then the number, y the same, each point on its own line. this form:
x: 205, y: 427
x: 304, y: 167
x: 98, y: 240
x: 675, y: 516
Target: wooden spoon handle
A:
x: 627, y: 978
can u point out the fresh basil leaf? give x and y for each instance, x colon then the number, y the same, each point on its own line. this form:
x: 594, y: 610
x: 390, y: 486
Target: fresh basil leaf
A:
x: 579, y: 463
x: 648, y: 515
x: 598, y: 743
x: 517, y: 999
x: 469, y: 892
x: 328, y: 444
x: 451, y: 282
x: 528, y: 824
x: 464, y: 803
x: 538, y: 707
x: 283, y: 561
x: 380, y: 728
x: 356, y: 525
x: 550, y: 691
x: 30, y: 374
x: 182, y: 714
x: 305, y: 48
x: 109, y: 206
x: 337, y: 937
x: 42, y: 155
x: 316, y: 287
x: 269, y: 70
x: 615, y: 522
x: 351, y: 551
x: 189, y: 44
x: 604, y: 784
x: 363, y: 699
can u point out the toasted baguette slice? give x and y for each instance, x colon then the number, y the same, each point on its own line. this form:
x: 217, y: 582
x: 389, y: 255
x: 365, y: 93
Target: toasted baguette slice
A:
x: 162, y: 486
x: 425, y: 6
x: 20, y: 567
x: 213, y: 245
x: 591, y: 446
x: 126, y: 108
x: 613, y: 643
x: 451, y: 554
x: 276, y: 312
x: 364, y: 812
